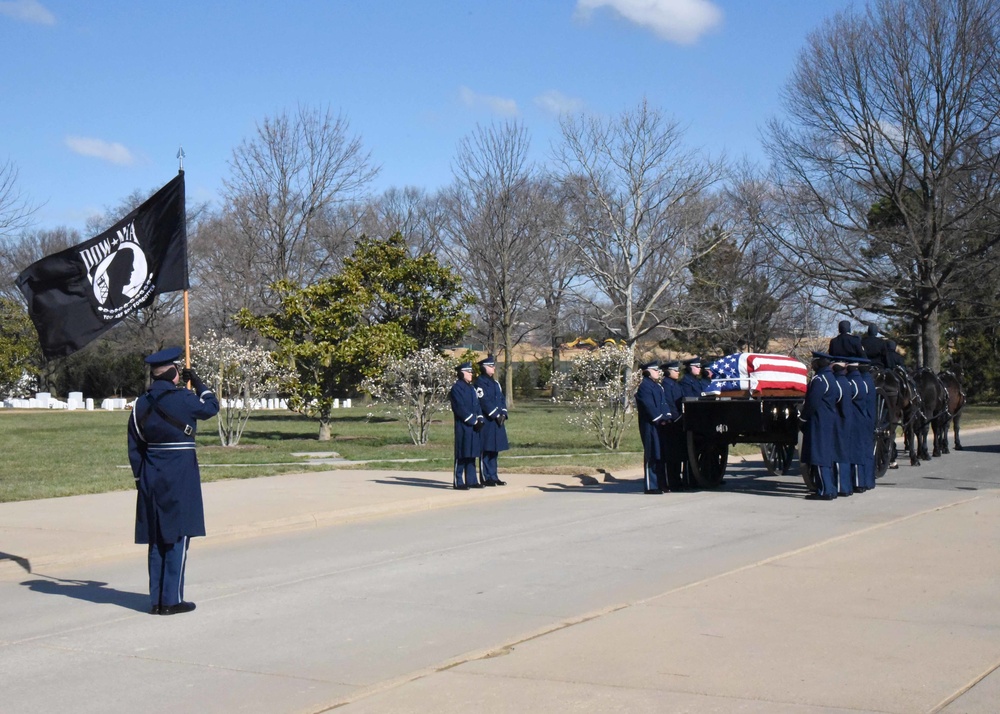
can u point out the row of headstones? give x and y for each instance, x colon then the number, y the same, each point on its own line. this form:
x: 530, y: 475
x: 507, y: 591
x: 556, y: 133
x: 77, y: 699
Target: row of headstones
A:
x: 75, y: 400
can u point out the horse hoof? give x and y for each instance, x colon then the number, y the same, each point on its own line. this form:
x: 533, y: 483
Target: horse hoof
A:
x: 958, y: 447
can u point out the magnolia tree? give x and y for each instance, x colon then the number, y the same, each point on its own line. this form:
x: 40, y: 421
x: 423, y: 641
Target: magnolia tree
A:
x: 240, y: 373
x: 414, y: 388
x: 600, y: 385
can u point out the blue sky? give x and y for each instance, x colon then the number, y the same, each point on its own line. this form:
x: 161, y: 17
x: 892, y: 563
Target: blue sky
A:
x: 97, y: 96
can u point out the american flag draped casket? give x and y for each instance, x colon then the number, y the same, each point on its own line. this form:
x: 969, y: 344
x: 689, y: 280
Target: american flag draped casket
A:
x: 754, y: 372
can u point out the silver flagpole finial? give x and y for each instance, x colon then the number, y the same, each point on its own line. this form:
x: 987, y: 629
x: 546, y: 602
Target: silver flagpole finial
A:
x: 180, y: 158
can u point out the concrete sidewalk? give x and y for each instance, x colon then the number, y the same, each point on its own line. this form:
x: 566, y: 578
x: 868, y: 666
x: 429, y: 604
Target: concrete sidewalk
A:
x: 35, y: 535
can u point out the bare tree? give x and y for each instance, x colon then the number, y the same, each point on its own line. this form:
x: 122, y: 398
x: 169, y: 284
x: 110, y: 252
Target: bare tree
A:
x: 640, y: 202
x: 491, y: 235
x: 15, y: 209
x: 285, y: 185
x: 411, y: 212
x: 556, y: 265
x: 888, y: 161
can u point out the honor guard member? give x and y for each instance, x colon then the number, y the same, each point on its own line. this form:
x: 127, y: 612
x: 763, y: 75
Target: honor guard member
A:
x: 468, y: 425
x: 161, y: 451
x: 818, y: 418
x: 874, y: 347
x: 863, y: 440
x: 845, y: 430
x: 845, y: 344
x: 493, y: 404
x: 691, y: 383
x: 654, y: 415
x: 672, y: 434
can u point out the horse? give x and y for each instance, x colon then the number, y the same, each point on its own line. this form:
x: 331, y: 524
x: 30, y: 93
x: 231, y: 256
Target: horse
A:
x: 956, y: 401
x: 903, y: 404
x: 934, y: 413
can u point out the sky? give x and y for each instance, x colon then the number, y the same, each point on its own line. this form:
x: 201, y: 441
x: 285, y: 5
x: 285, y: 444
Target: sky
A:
x: 97, y: 97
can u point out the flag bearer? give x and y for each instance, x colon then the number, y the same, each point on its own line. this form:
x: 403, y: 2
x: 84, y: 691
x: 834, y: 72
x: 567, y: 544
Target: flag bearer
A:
x: 161, y: 451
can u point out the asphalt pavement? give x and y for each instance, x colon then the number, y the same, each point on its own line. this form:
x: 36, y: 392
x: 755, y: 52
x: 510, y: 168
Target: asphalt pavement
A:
x: 885, y: 602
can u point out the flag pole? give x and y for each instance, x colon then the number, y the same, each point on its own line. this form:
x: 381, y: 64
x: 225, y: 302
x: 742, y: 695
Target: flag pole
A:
x: 187, y: 318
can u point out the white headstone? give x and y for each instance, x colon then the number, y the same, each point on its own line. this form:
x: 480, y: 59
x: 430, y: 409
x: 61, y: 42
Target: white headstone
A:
x: 336, y: 404
x: 42, y: 398
x: 347, y: 404
x: 78, y: 396
x: 90, y: 404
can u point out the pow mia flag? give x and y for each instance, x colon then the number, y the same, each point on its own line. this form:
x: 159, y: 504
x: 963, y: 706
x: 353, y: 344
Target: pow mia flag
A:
x: 80, y: 293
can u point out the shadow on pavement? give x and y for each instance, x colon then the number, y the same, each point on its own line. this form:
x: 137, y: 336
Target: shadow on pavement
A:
x: 23, y: 562
x: 983, y: 449
x: 757, y: 481
x: 91, y: 591
x: 413, y: 481
x: 606, y: 483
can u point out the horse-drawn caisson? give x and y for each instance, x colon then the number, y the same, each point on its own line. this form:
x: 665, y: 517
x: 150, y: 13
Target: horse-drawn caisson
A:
x: 759, y: 397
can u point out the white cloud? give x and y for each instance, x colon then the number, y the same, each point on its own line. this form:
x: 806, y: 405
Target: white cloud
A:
x: 28, y: 11
x: 680, y: 21
x: 555, y: 102
x: 497, y: 105
x: 99, y: 149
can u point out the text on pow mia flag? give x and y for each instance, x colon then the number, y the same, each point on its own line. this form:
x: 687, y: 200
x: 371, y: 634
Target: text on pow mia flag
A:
x: 81, y: 292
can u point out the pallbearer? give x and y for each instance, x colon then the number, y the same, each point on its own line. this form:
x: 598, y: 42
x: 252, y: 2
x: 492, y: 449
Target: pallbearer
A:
x: 672, y: 434
x: 494, y: 434
x: 844, y: 429
x: 654, y: 414
x: 819, y: 418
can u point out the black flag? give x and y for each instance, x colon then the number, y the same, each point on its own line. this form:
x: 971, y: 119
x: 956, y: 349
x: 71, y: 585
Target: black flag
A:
x: 79, y: 293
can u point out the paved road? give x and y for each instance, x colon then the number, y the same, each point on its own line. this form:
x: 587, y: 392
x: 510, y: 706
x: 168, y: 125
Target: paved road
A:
x: 584, y: 597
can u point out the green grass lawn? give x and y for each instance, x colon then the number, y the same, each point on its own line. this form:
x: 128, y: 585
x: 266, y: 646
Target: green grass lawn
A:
x: 55, y: 453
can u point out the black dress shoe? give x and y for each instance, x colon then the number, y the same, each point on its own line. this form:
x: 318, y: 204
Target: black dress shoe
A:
x: 653, y: 491
x: 490, y: 483
x: 177, y: 609
x: 461, y: 488
x: 818, y: 497
x: 476, y: 485
x: 155, y: 610
x: 499, y: 483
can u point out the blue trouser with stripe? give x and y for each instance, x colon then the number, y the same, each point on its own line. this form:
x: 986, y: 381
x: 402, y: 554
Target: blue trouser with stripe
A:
x: 488, y: 466
x: 465, y: 472
x: 166, y: 572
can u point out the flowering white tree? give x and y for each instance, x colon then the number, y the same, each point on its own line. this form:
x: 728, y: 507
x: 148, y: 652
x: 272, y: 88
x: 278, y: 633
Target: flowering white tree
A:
x: 414, y: 388
x: 239, y: 373
x: 601, y: 386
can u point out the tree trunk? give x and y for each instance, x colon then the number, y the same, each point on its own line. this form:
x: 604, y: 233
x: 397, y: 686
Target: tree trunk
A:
x: 508, y: 363
x: 555, y: 365
x: 324, y: 430
x: 930, y: 334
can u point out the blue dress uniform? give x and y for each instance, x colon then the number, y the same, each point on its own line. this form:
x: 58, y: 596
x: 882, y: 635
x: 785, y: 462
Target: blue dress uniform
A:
x: 866, y: 477
x: 654, y: 414
x: 845, y: 344
x: 692, y: 384
x: 161, y: 449
x: 845, y: 432
x: 468, y: 424
x: 672, y: 434
x: 494, y: 434
x: 819, y: 417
